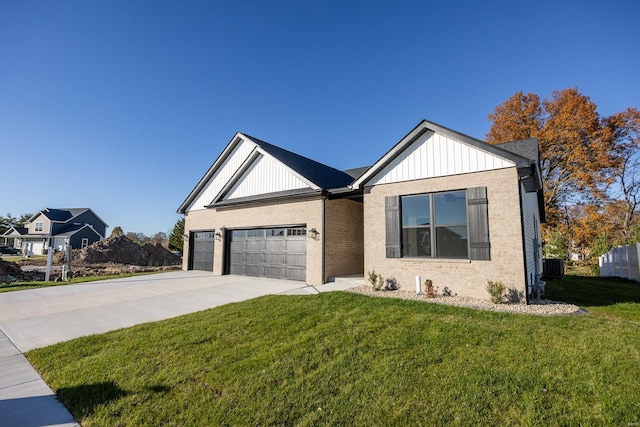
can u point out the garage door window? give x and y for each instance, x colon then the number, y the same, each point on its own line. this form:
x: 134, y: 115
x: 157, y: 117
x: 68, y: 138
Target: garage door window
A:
x: 297, y: 232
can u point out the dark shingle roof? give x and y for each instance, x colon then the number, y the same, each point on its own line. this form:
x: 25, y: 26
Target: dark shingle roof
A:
x: 20, y: 230
x: 322, y: 175
x: 356, y: 173
x: 62, y: 214
x: 72, y: 229
x: 527, y: 148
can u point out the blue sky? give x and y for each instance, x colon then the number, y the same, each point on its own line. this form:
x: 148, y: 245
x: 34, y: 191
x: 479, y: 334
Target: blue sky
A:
x: 122, y: 106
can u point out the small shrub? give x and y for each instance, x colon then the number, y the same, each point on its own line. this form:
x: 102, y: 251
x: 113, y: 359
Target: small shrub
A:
x: 446, y: 292
x: 430, y: 291
x: 392, y: 284
x: 376, y: 280
x: 514, y: 296
x: 496, y: 290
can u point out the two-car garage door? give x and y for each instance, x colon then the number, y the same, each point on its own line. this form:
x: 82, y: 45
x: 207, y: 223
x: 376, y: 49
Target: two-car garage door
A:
x: 268, y: 252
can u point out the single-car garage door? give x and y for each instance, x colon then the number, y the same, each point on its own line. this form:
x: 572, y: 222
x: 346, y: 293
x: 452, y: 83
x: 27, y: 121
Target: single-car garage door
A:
x: 279, y: 253
x: 202, y: 252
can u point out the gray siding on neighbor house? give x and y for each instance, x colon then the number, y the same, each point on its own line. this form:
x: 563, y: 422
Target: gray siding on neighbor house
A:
x: 76, y: 239
x: 87, y: 217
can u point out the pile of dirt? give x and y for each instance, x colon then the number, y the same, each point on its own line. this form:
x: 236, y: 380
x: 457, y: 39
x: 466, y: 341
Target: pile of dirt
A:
x: 112, y: 256
x: 11, y: 272
x: 121, y: 250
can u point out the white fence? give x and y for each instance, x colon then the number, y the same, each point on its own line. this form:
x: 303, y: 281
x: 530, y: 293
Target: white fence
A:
x: 622, y: 261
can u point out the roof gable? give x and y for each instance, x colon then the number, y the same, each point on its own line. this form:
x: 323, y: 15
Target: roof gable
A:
x: 60, y: 214
x: 74, y: 228
x: 252, y: 182
x: 226, y: 165
x: 16, y: 232
x: 431, y: 150
x: 249, y: 167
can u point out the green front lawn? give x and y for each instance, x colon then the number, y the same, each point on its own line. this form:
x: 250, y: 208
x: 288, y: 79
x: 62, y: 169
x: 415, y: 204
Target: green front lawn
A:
x: 21, y: 286
x: 607, y: 297
x: 347, y: 359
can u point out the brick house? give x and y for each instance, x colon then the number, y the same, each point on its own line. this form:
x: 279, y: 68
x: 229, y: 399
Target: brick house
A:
x: 439, y: 204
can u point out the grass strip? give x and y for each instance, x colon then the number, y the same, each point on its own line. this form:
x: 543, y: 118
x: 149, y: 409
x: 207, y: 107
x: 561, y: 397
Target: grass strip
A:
x: 20, y: 286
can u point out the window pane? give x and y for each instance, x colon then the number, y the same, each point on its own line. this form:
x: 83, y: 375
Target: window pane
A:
x: 416, y: 242
x: 451, y: 208
x: 255, y: 233
x: 451, y: 242
x: 415, y: 211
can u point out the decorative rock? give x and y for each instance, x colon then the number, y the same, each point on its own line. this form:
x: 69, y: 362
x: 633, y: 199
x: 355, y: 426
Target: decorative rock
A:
x: 543, y: 308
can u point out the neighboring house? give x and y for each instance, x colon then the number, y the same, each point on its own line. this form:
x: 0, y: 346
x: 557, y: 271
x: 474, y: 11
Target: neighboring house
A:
x: 57, y: 228
x: 439, y: 204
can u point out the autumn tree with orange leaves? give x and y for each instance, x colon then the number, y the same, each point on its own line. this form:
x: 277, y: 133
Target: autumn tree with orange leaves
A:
x: 590, y: 164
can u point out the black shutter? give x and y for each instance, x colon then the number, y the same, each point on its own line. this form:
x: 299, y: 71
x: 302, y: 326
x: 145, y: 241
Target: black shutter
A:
x: 392, y: 226
x: 478, y: 217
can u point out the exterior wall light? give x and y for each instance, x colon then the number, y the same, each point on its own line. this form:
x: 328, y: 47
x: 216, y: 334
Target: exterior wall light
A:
x: 218, y: 236
x: 313, y: 233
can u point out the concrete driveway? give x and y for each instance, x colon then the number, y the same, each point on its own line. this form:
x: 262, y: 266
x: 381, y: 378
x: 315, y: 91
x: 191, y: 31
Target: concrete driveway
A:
x: 40, y: 317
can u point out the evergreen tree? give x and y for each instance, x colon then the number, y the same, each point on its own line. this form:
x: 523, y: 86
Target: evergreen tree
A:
x: 176, y: 240
x: 117, y: 231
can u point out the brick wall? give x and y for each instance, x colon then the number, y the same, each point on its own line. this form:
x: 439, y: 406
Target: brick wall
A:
x: 465, y: 277
x: 344, y: 242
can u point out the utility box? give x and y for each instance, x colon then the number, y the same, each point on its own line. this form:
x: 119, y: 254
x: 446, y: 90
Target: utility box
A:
x: 553, y: 268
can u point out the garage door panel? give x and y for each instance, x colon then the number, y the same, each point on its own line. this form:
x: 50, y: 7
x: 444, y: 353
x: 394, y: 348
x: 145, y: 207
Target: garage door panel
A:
x: 275, y: 258
x: 295, y: 273
x: 275, y: 244
x: 239, y: 258
x: 255, y: 258
x: 239, y: 245
x: 270, y: 271
x: 297, y: 246
x: 295, y: 260
x: 254, y: 270
x: 273, y: 252
x: 237, y: 269
x: 255, y: 245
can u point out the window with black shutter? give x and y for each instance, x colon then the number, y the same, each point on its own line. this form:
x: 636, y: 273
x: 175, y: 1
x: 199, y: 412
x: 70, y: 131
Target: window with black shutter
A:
x: 452, y: 224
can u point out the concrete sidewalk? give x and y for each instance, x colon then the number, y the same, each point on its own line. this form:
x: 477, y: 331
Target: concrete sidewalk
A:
x: 41, y: 317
